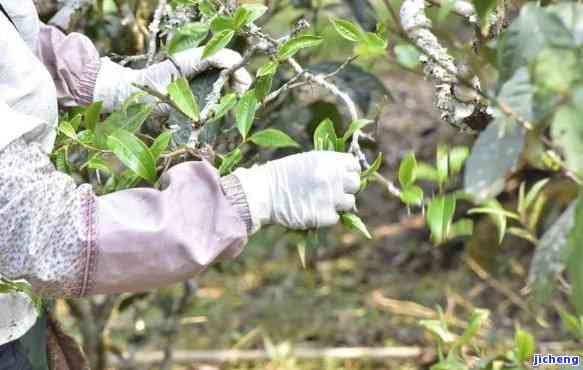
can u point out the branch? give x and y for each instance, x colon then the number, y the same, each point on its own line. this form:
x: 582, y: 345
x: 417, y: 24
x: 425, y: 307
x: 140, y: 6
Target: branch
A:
x: 174, y: 318
x: 441, y: 68
x: 65, y: 17
x: 213, y: 97
x: 460, y: 7
x: 154, y: 28
x: 342, y: 353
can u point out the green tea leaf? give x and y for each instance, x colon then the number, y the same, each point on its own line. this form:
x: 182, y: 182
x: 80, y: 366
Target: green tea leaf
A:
x: 426, y: 172
x: 439, y: 217
x: 295, y: 44
x: 160, y: 144
x: 356, y: 125
x: 348, y: 30
x: 61, y: 159
x: 187, y: 37
x: 230, y: 161
x: 273, y: 138
x: 223, y: 23
x: 132, y: 152
x: 524, y: 345
x: 442, y: 163
x: 263, y: 86
x: 571, y: 322
x: 439, y: 329
x: 407, y: 170
x: 374, y: 167
x: 135, y: 121
x: 412, y: 195
x: 354, y: 223
x: 249, y: 13
x: 91, y: 115
x: 182, y: 96
x: 67, y: 129
x: 268, y: 68
x: 227, y: 103
x: 207, y: 8
x: 371, y: 46
x: 477, y: 320
x: 463, y: 227
x: 245, y: 113
x: 532, y: 194
x: 457, y: 157
x: 302, y: 252
x: 325, y: 136
x: 217, y: 43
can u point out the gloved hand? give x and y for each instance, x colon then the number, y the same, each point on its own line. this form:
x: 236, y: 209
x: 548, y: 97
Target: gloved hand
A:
x: 114, y: 82
x: 301, y: 191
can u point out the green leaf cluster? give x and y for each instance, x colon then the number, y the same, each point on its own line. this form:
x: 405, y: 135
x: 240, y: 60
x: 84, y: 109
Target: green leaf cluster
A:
x: 368, y: 44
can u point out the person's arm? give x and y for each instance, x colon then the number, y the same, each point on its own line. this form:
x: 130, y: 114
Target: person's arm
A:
x: 68, y: 243
x: 82, y: 77
x: 73, y: 62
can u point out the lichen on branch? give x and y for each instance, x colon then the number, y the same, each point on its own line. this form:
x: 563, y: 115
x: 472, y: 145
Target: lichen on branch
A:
x: 442, y: 69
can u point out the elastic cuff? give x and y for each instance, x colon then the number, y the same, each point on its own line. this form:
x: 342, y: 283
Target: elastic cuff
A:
x: 91, y: 251
x: 236, y: 196
x: 87, y: 82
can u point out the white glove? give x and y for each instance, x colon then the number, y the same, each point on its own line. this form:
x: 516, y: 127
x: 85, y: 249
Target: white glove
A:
x: 301, y: 191
x: 114, y: 82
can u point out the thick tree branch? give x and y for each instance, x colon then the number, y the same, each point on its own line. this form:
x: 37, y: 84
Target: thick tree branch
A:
x: 442, y: 69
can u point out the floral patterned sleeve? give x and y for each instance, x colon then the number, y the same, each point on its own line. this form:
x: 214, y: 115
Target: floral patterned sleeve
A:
x: 47, y: 226
x: 67, y: 242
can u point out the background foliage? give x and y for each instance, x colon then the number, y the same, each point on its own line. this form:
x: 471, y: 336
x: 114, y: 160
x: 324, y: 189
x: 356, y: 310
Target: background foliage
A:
x: 467, y: 244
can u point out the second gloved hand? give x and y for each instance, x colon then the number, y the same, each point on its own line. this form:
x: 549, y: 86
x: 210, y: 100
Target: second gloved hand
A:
x: 115, y: 83
x: 301, y: 191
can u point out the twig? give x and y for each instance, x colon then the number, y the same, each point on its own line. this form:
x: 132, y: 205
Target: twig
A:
x: 342, y: 353
x: 154, y: 28
x: 189, y: 289
x: 65, y: 17
x: 283, y: 89
x: 460, y: 7
x: 213, y: 97
x: 497, y: 285
x: 163, y: 98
